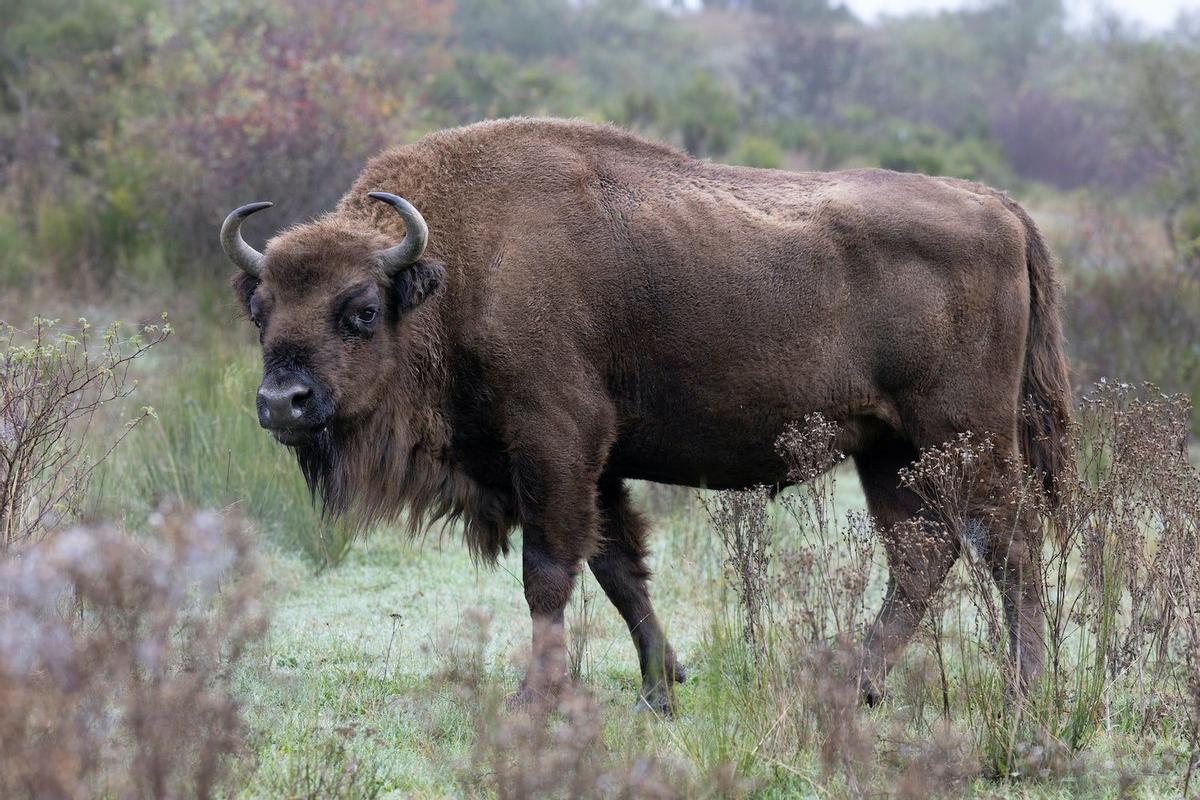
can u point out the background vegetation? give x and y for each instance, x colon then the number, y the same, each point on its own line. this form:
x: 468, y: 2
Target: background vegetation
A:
x: 129, y: 128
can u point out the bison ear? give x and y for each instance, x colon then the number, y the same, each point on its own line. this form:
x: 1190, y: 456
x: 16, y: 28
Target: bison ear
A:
x: 244, y: 285
x: 417, y: 284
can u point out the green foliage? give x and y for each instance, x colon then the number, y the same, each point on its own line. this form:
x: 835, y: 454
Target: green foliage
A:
x: 533, y: 28
x: 492, y: 85
x: 1151, y: 318
x: 1164, y: 122
x: 757, y: 151
x: 705, y: 113
x: 1187, y: 233
x: 109, y: 166
x: 929, y: 151
x: 14, y: 249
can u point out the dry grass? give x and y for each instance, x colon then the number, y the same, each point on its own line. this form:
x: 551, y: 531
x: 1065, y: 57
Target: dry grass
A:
x: 548, y: 751
x: 1120, y: 565
x: 115, y: 657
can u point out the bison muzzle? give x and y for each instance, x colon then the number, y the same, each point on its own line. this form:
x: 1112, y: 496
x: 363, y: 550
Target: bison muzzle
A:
x: 573, y: 307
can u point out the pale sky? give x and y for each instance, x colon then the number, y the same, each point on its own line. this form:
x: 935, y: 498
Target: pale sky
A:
x: 1154, y: 14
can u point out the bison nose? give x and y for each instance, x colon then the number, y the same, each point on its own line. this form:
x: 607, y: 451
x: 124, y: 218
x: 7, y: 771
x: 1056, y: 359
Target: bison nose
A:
x: 283, y: 406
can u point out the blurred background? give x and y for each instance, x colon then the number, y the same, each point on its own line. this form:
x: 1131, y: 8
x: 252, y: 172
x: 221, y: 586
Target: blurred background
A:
x: 128, y: 128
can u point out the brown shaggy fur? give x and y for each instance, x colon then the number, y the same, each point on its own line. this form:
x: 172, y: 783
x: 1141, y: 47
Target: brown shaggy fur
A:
x: 593, y: 307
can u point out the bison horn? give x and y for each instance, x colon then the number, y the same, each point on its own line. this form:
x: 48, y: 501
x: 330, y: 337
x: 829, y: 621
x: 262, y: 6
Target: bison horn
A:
x: 240, y: 253
x: 416, y: 233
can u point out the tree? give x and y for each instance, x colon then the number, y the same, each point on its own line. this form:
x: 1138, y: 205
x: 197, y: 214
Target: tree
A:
x: 705, y: 114
x: 1164, y: 123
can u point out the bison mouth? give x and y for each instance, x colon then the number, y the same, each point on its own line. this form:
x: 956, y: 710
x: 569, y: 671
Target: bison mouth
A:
x: 297, y: 436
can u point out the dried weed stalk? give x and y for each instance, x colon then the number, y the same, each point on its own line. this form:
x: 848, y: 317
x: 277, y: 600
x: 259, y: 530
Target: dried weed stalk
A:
x: 115, y: 655
x: 555, y: 750
x: 1119, y: 570
x: 743, y: 521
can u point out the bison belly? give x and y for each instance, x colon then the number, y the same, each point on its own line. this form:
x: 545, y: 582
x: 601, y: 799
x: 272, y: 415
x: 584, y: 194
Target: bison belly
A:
x: 707, y: 412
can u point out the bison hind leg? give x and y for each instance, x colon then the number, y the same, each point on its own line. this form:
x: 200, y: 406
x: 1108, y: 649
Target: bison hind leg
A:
x: 619, y: 567
x: 919, y: 556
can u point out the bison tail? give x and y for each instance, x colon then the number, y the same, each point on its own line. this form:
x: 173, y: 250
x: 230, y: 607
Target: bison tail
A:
x: 1045, y: 385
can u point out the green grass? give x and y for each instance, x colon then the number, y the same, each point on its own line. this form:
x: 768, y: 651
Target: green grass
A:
x: 354, y: 670
x: 206, y: 449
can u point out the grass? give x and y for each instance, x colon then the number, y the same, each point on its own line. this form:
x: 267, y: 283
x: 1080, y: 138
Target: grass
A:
x: 365, y: 647
x: 355, y: 669
x: 207, y: 450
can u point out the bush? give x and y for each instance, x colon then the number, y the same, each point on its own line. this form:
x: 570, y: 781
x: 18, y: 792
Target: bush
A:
x: 757, y: 151
x: 115, y: 655
x: 910, y: 148
x: 1123, y: 633
x: 1121, y: 588
x: 1131, y: 312
x: 52, y: 384
x: 705, y: 114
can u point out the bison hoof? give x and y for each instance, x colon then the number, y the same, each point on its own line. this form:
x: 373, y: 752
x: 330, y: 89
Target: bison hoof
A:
x: 659, y: 700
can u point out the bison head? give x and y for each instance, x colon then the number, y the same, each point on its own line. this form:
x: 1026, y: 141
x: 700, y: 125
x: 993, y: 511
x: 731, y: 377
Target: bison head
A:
x: 330, y: 300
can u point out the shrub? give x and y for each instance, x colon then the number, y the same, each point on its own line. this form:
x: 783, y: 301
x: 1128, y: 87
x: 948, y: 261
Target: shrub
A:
x: 913, y: 148
x: 797, y: 679
x: 115, y: 655
x: 1132, y: 309
x: 52, y: 384
x: 704, y: 113
x: 296, y: 98
x: 757, y: 151
x: 1151, y: 318
x: 1123, y: 636
x: 1119, y: 572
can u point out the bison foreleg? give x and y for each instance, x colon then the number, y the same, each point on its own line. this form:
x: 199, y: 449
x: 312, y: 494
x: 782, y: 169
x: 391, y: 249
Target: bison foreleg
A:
x: 556, y: 464
x: 548, y: 581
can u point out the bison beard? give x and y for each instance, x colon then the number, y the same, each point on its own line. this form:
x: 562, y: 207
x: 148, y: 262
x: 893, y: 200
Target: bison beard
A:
x: 564, y: 307
x: 344, y: 468
x: 322, y: 465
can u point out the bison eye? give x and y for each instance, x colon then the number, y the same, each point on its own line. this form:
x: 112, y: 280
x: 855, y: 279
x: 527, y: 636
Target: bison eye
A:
x: 362, y: 322
x: 257, y: 322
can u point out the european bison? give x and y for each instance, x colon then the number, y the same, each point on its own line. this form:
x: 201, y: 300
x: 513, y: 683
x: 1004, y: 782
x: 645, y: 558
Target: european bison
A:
x: 574, y: 306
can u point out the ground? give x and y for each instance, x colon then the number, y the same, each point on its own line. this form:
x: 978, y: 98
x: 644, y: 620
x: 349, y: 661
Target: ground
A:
x: 359, y: 682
